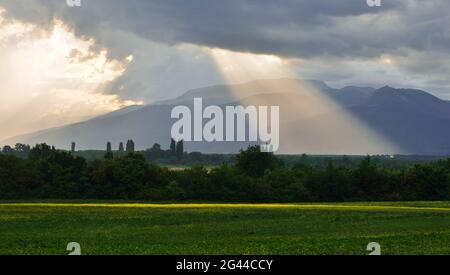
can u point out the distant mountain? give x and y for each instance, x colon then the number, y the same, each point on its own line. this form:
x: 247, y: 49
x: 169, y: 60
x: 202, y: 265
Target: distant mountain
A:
x: 416, y: 120
x: 223, y: 94
x: 315, y: 118
x: 122, y: 111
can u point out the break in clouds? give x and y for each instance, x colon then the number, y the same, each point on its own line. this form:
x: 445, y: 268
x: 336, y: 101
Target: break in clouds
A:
x: 342, y: 42
x: 158, y: 49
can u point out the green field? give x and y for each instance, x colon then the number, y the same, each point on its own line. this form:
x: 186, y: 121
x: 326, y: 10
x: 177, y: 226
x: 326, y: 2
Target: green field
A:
x: 121, y: 228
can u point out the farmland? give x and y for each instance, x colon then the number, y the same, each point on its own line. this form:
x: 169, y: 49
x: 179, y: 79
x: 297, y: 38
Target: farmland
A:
x: 209, y: 229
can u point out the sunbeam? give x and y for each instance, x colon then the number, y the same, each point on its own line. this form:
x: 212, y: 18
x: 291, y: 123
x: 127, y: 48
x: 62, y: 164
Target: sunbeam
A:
x: 311, y: 121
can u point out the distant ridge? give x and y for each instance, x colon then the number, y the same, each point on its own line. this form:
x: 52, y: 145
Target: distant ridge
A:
x: 415, y: 121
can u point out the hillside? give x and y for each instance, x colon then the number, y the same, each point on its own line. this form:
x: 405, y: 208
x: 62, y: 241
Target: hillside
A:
x: 315, y: 118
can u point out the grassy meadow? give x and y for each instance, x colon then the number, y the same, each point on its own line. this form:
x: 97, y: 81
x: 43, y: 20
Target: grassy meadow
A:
x: 139, y: 228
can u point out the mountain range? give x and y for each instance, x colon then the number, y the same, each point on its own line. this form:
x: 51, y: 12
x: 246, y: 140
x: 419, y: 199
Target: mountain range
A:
x: 314, y: 118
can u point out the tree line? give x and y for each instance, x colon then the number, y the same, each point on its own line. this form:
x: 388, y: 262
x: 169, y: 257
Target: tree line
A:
x: 254, y: 176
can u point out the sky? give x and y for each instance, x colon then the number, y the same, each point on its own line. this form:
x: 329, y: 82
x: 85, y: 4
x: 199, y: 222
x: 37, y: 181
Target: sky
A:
x: 61, y: 64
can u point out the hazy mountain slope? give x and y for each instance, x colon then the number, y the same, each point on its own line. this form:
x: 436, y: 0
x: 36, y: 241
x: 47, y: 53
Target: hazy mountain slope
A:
x: 318, y: 120
x: 351, y: 95
x: 417, y: 120
x: 145, y: 126
x: 223, y: 94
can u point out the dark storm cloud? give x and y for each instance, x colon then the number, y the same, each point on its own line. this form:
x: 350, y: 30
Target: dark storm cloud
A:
x: 325, y: 32
x: 284, y: 27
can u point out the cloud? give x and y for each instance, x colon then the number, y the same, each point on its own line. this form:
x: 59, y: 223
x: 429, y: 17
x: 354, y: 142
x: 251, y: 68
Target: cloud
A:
x: 318, y: 34
x: 51, y: 73
x: 264, y: 26
x: 159, y: 71
x: 296, y: 28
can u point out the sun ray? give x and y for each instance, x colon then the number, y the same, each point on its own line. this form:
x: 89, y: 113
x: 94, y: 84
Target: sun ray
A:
x: 306, y: 125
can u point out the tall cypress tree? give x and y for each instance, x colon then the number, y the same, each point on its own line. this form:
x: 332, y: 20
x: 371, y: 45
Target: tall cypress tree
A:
x: 173, y: 147
x: 180, y: 149
x: 109, y: 154
x: 130, y: 146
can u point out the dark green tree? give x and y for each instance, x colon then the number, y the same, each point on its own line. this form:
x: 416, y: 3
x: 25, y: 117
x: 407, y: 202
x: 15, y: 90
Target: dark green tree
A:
x: 180, y: 149
x: 22, y: 150
x: 130, y: 146
x: 109, y: 153
x: 41, y: 151
x: 254, y: 163
x: 156, y: 147
x: 369, y: 180
x: 7, y: 149
x: 433, y: 182
x: 173, y: 147
x: 155, y: 152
